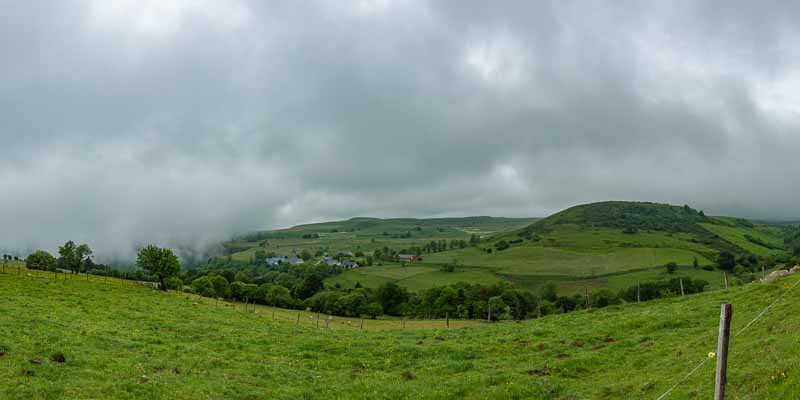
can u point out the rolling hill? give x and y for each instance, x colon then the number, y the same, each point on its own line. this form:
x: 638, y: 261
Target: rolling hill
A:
x: 607, y: 244
x: 368, y: 234
x: 97, y: 338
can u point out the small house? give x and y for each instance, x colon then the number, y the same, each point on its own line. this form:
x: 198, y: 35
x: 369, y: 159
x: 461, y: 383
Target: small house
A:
x: 409, y: 258
x: 295, y: 261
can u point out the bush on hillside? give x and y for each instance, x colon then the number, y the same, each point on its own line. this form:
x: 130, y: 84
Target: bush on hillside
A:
x: 373, y: 310
x: 173, y: 283
x: 604, y: 298
x: 40, y: 259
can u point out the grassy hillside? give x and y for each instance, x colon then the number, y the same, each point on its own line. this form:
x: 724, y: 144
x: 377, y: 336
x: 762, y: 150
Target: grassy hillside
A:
x: 105, y: 339
x: 367, y: 234
x: 597, y: 244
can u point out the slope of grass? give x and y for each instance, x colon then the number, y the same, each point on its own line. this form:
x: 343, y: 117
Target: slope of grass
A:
x: 569, y: 261
x: 738, y: 236
x: 128, y: 342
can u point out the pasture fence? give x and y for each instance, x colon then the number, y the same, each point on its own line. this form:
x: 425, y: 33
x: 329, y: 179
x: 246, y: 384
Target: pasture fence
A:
x: 722, y: 346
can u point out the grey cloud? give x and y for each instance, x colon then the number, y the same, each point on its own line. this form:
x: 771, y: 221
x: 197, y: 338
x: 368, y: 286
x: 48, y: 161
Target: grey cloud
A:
x: 131, y: 122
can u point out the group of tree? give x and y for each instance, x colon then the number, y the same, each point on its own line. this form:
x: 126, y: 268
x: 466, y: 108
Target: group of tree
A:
x: 73, y: 257
x: 9, y: 257
x: 155, y: 263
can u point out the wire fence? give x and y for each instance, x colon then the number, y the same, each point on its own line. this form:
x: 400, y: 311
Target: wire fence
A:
x: 742, y: 330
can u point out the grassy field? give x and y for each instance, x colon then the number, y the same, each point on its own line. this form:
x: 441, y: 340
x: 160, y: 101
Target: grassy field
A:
x: 736, y: 235
x: 574, y: 262
x: 107, y: 339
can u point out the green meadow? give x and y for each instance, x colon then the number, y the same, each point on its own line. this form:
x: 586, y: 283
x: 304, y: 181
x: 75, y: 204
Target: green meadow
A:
x: 103, y: 338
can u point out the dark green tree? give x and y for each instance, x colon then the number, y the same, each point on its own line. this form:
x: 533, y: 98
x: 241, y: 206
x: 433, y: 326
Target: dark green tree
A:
x: 391, y: 295
x: 40, y: 259
x: 671, y: 267
x: 372, y: 309
x: 159, y: 262
x: 310, y: 285
x: 726, y: 260
x: 74, y: 256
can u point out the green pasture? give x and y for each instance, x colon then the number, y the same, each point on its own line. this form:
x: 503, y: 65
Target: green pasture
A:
x: 96, y: 339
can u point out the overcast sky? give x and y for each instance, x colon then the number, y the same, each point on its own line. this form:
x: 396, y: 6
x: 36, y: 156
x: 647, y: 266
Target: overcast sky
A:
x: 126, y: 122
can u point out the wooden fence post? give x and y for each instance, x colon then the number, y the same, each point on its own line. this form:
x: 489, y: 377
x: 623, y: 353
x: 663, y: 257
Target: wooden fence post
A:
x: 447, y: 320
x: 725, y: 314
x: 725, y: 275
x: 327, y: 321
x: 362, y: 324
x: 298, y: 319
x: 763, y: 273
x: 681, y: 281
x: 317, y: 319
x: 586, y: 294
x: 638, y: 293
x: 403, y: 322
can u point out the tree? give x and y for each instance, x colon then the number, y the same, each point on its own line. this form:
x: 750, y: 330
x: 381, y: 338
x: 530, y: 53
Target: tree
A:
x: 502, y: 245
x: 310, y: 285
x: 695, y: 264
x: 497, y: 307
x: 604, y: 298
x: 671, y: 267
x: 372, y: 309
x: 278, y: 296
x: 350, y: 305
x: 260, y: 256
x: 204, y: 287
x: 222, y: 288
x: 173, y: 283
x: 549, y: 291
x: 390, y: 295
x: 40, y: 259
x: 159, y: 262
x: 73, y: 256
x: 726, y: 260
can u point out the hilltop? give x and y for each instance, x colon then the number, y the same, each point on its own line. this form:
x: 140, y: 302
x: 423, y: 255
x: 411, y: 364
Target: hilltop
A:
x: 111, y: 339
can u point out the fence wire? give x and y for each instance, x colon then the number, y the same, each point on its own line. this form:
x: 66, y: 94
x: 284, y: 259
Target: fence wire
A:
x: 744, y: 328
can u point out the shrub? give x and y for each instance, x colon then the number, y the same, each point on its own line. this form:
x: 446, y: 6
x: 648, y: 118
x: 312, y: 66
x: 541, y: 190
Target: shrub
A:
x: 604, y: 298
x: 173, y: 283
x: 372, y: 310
x: 40, y: 259
x: 203, y: 286
x: 708, y: 267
